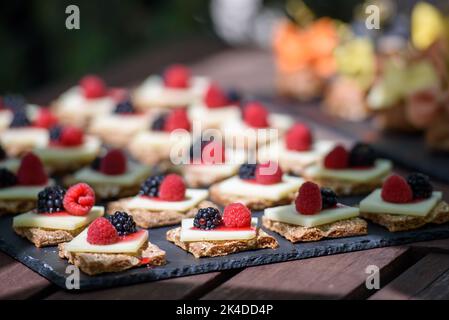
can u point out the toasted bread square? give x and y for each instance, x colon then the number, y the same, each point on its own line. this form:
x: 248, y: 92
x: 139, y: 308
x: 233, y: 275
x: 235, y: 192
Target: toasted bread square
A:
x: 47, y: 237
x: 153, y: 219
x: 222, y: 248
x: 252, y: 202
x: 339, y: 229
x: 400, y: 222
x: 96, y: 263
x: 16, y: 206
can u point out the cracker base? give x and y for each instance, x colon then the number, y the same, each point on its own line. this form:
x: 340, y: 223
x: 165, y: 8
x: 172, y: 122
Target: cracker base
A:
x: 47, y: 237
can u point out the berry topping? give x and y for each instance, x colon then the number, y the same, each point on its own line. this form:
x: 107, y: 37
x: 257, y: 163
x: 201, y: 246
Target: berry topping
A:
x: 93, y: 87
x: 177, y: 76
x: 337, y: 158
x: 102, y: 232
x: 236, y: 215
x: 55, y: 133
x: 124, y: 107
x: 207, y: 218
x: 159, y: 123
x: 247, y: 171
x: 421, y: 186
x: 309, y: 199
x: 50, y: 200
x: 298, y: 138
x: 197, y: 147
x: 150, y: 187
x: 79, y: 199
x: 329, y: 198
x: 172, y: 188
x: 2, y: 154
x: 215, y: 97
x: 123, y: 223
x: 96, y: 163
x: 268, y: 173
x: 177, y: 119
x: 45, y: 119
x: 31, y: 171
x: 71, y: 136
x: 396, y: 189
x: 14, y: 102
x: 233, y: 96
x: 7, y: 178
x: 362, y: 155
x: 113, y: 163
x: 20, y: 119
x: 255, y: 115
x: 213, y: 153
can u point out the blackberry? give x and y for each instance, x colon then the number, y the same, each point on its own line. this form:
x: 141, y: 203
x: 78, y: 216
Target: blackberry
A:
x: 96, y: 163
x: 247, y: 171
x: 421, y: 186
x: 233, y: 95
x: 207, y: 218
x: 14, y: 102
x: 159, y: 123
x: 50, y: 199
x: 2, y: 153
x: 20, y: 119
x: 362, y: 155
x: 7, y: 178
x: 55, y: 133
x: 328, y: 197
x: 123, y: 223
x: 150, y: 187
x: 124, y: 107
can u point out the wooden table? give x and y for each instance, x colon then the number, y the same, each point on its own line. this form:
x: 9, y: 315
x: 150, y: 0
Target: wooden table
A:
x: 416, y: 271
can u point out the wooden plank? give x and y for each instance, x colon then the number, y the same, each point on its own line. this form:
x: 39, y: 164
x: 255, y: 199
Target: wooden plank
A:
x: 330, y: 277
x: 19, y: 282
x: 177, y: 288
x: 427, y: 279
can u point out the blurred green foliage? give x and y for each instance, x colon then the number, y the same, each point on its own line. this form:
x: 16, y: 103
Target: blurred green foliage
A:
x: 36, y: 48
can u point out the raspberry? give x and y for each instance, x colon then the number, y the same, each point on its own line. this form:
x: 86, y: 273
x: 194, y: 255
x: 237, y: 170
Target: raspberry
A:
x: 102, y: 232
x: 79, y: 199
x: 215, y: 97
x: 31, y: 171
x: 213, y: 153
x: 298, y: 138
x: 172, y: 188
x: 268, y: 173
x: 255, y: 115
x: 309, y: 199
x: 396, y: 190
x: 338, y: 158
x: 71, y: 136
x: 177, y: 76
x: 113, y: 163
x: 177, y: 119
x: 236, y: 215
x: 45, y: 119
x: 93, y: 87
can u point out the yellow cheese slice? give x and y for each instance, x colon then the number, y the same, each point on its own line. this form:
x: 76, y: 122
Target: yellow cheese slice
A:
x: 193, y: 197
x: 239, y: 187
x: 22, y: 192
x: 48, y: 221
x: 381, y: 168
x: 80, y: 244
x: 375, y: 204
x: 288, y: 214
x: 190, y: 235
x: 31, y: 137
x: 134, y: 174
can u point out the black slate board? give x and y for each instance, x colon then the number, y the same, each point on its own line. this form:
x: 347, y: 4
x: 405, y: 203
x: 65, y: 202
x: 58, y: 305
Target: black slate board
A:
x: 407, y: 150
x: 46, y: 262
